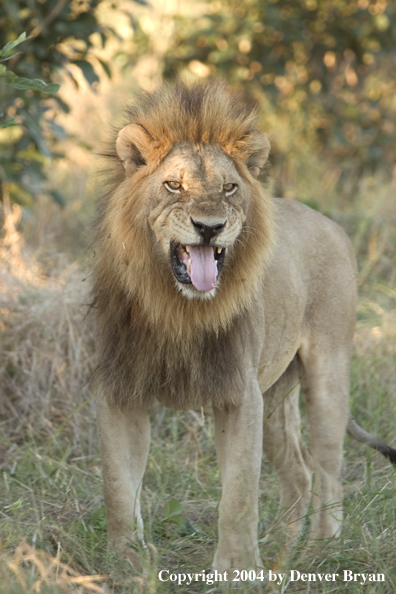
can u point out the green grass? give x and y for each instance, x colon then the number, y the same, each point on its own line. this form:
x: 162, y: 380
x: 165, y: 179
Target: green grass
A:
x: 55, y: 502
x: 52, y: 518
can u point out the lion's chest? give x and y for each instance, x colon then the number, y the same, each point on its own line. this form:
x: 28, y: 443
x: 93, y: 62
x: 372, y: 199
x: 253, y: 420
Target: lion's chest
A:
x: 211, y: 370
x: 140, y: 363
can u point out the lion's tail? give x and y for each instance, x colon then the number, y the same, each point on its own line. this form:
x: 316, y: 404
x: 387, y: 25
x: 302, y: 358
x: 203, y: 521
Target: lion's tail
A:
x: 360, y: 434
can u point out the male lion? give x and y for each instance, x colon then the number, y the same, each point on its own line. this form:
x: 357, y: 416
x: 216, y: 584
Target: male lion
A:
x: 207, y: 290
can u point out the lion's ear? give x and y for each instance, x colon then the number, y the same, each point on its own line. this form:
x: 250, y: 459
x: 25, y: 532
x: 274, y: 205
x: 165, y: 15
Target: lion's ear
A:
x: 258, y: 148
x: 134, y: 147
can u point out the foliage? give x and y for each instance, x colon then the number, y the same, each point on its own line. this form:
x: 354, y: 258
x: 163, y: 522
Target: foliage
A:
x: 59, y: 34
x: 324, y: 69
x: 17, y: 82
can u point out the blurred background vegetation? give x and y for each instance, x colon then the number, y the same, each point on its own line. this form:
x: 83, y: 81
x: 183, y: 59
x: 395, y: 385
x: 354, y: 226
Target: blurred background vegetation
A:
x: 324, y: 75
x: 323, y: 72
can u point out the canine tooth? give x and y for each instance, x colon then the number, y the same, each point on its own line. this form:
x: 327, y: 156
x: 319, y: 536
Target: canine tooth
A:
x: 187, y: 249
x: 219, y: 250
x: 189, y: 266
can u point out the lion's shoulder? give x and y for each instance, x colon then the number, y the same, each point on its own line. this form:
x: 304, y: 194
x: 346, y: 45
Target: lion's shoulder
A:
x: 301, y: 227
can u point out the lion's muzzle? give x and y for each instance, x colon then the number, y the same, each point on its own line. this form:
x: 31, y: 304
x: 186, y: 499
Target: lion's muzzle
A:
x: 198, y: 265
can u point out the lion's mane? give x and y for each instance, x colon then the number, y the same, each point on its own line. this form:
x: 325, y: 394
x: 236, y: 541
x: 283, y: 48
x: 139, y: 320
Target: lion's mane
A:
x: 154, y: 342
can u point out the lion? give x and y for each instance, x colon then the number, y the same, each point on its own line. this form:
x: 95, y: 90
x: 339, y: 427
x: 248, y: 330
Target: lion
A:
x: 209, y: 291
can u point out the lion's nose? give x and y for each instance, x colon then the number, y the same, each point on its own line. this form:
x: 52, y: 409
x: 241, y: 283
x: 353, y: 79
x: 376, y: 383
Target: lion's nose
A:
x: 208, y: 231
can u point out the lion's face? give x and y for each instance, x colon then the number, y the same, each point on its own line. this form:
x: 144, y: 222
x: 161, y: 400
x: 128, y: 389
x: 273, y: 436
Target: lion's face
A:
x: 198, y: 206
x: 190, y: 201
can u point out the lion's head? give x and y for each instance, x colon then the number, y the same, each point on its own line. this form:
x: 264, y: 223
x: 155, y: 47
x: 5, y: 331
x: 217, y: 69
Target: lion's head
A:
x: 186, y: 228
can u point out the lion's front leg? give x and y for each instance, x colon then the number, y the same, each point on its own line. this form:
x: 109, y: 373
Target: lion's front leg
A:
x: 125, y: 441
x: 239, y: 436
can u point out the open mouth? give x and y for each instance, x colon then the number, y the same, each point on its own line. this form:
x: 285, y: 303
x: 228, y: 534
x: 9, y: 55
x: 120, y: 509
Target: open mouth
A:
x: 197, y: 265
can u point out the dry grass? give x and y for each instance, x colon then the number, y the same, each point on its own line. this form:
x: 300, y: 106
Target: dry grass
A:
x: 52, y: 521
x: 46, y: 406
x: 48, y: 354
x: 50, y: 571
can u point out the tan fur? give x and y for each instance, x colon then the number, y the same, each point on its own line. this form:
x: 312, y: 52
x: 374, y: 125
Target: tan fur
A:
x: 222, y: 121
x: 132, y: 272
x: 282, y: 311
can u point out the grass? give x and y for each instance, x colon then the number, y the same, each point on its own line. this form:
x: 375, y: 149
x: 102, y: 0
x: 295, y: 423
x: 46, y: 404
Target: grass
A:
x: 52, y: 518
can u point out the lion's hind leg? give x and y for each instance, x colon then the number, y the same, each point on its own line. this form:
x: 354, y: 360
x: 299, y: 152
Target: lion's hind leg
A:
x: 326, y: 389
x: 285, y: 449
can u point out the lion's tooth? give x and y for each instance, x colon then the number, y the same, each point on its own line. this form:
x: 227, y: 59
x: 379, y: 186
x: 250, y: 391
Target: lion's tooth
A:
x: 219, y: 250
x: 187, y: 249
x: 189, y: 266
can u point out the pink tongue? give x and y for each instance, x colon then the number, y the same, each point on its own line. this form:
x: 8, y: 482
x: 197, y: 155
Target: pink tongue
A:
x: 203, y: 267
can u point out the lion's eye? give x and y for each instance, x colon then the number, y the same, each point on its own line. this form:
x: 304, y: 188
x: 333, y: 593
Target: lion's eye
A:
x: 173, y: 186
x: 230, y: 188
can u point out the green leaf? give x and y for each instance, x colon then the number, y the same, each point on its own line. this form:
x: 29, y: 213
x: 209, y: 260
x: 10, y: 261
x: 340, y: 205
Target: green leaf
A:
x: 87, y: 70
x: 172, y: 512
x: 35, y: 84
x: 16, y: 505
x: 59, y: 199
x: 96, y: 519
x: 62, y: 104
x: 31, y: 156
x: 58, y: 130
x: 8, y: 123
x: 190, y: 528
x: 7, y: 51
x: 80, y: 28
x: 32, y: 124
x: 105, y: 67
x: 172, y: 508
x: 19, y: 194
